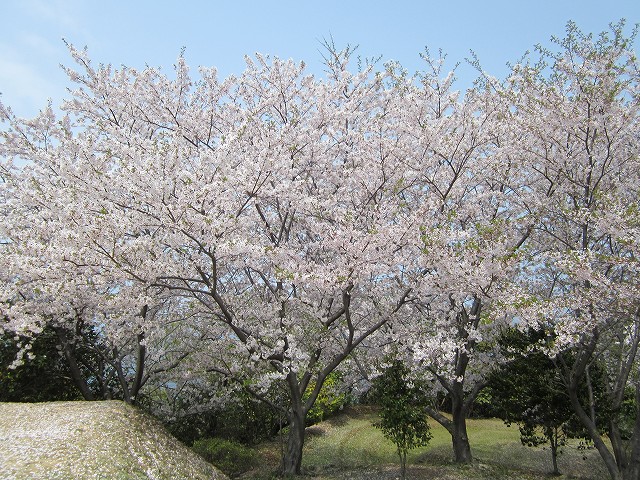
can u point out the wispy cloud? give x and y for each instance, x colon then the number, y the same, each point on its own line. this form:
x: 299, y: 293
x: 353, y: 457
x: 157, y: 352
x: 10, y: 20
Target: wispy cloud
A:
x: 62, y: 13
x: 41, y: 44
x: 31, y: 50
x: 24, y: 86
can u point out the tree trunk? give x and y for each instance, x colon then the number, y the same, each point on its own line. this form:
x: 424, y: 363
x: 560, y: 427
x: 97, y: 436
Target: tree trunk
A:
x: 461, y: 447
x: 292, y: 461
x: 458, y: 431
x: 615, y: 437
x: 632, y: 472
x: 585, y: 419
x: 457, y: 428
x: 74, y: 368
x: 140, y: 361
x: 553, y: 441
x: 403, y: 465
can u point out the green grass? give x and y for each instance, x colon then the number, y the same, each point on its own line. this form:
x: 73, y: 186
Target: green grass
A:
x: 348, y: 446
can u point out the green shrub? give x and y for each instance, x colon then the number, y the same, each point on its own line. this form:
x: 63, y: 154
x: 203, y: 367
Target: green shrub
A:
x: 44, y: 377
x: 243, y: 420
x: 189, y: 428
x: 231, y: 457
x: 247, y: 421
x: 331, y: 399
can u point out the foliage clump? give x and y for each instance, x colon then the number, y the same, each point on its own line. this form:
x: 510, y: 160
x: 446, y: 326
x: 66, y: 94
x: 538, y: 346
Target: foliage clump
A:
x: 43, y: 375
x: 528, y: 391
x: 331, y: 399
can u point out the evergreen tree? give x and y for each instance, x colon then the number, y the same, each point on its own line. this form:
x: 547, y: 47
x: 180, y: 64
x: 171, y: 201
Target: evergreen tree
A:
x: 403, y: 419
x: 528, y: 391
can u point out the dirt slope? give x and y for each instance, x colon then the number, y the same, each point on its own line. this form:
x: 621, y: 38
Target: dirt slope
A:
x: 91, y: 440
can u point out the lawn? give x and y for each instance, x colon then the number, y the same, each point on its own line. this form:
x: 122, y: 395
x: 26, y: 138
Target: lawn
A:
x: 349, y: 447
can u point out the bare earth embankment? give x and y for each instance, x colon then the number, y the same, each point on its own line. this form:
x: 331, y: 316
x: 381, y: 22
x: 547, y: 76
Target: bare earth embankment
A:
x: 91, y: 440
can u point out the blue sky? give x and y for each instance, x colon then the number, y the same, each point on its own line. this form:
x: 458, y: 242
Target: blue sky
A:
x: 217, y: 33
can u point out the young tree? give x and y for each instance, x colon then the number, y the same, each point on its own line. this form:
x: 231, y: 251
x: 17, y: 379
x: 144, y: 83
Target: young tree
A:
x: 528, y: 390
x: 403, y: 419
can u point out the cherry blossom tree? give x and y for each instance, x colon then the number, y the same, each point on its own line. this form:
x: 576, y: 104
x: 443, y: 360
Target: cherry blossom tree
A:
x: 265, y: 226
x: 574, y: 114
x: 468, y: 203
x: 268, y: 204
x: 111, y: 342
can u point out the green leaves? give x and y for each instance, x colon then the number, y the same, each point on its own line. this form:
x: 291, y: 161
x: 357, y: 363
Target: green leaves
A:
x: 403, y: 419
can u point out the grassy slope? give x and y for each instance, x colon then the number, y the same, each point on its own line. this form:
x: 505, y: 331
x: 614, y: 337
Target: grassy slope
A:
x: 86, y: 440
x: 347, y: 446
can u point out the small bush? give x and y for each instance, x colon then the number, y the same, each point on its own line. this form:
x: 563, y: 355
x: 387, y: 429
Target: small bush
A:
x: 331, y: 399
x: 231, y: 457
